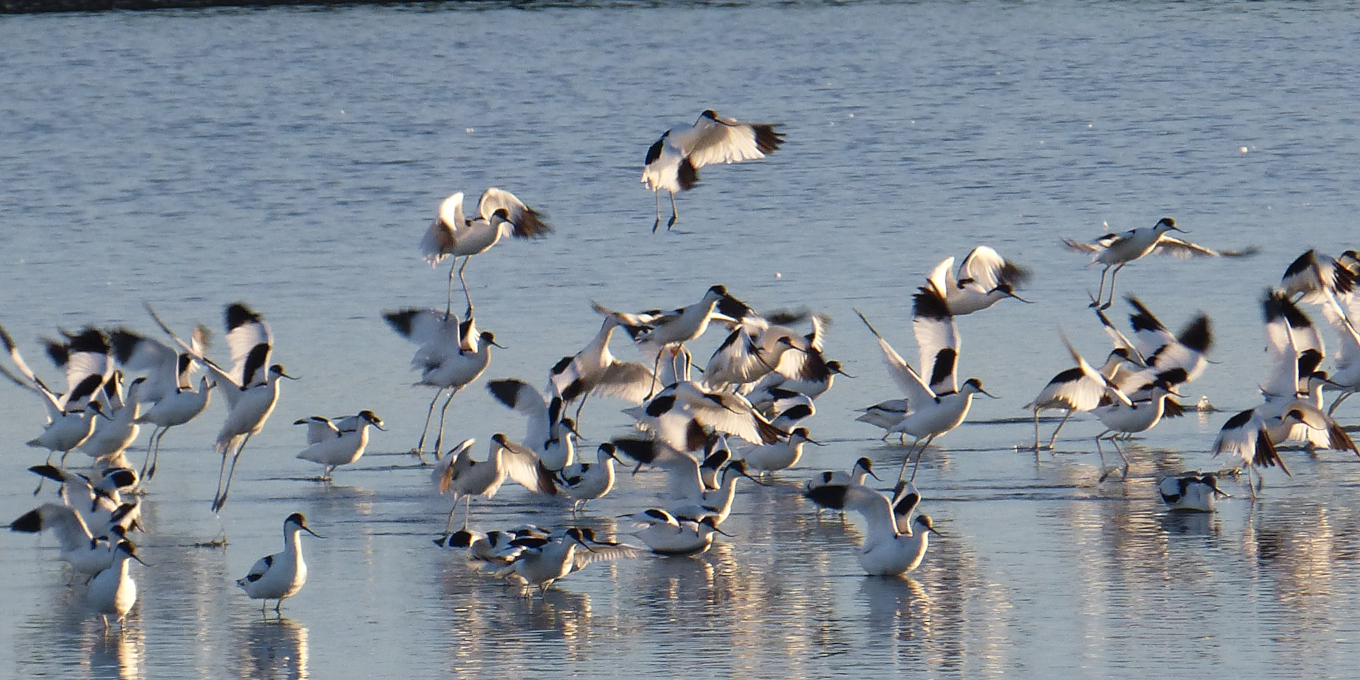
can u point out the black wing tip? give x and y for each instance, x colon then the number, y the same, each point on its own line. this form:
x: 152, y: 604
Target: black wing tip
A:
x: 768, y: 139
x: 506, y: 391
x: 402, y: 320
x: 1198, y: 335
x: 828, y: 495
x: 29, y: 523
x: 238, y: 314
x: 929, y: 303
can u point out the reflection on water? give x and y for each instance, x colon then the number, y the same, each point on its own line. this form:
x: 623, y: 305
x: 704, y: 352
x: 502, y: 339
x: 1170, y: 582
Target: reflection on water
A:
x: 118, y: 654
x: 273, y: 648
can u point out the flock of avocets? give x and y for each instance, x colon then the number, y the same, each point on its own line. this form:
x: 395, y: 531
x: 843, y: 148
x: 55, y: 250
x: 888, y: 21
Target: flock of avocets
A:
x: 744, y: 418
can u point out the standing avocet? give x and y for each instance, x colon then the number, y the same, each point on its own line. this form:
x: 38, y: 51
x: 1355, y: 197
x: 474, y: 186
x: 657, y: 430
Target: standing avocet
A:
x: 466, y: 477
x: 584, y: 482
x: 281, y: 575
x: 929, y: 414
x: 336, y: 443
x: 673, y: 162
x: 112, y: 591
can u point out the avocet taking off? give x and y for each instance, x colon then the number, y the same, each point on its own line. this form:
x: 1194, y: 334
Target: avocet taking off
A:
x: 1117, y: 250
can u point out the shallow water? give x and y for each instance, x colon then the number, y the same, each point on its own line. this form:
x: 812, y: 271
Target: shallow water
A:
x: 292, y: 158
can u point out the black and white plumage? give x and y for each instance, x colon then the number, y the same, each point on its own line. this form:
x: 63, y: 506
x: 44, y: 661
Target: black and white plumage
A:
x: 112, y: 591
x: 342, y: 441
x: 1320, y: 279
x: 1190, y: 492
x: 500, y: 214
x: 983, y: 279
x: 542, y: 561
x: 450, y: 356
x: 1074, y: 390
x: 250, y: 387
x: 671, y: 536
x: 889, y: 548
x: 547, y: 433
x: 70, y: 416
x: 87, y: 553
x: 861, y: 471
x: 465, y: 477
x: 281, y: 575
x: 584, y: 482
x: 655, y: 331
x: 670, y: 413
x: 1117, y: 250
x: 927, y: 414
x: 169, y: 383
x: 99, y: 500
x: 673, y: 162
x: 595, y: 370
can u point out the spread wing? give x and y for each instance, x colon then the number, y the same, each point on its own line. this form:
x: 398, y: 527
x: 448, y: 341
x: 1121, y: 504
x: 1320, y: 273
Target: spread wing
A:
x: 901, y: 372
x: 1170, y: 245
x: 938, y: 339
x: 528, y: 223
x: 714, y: 140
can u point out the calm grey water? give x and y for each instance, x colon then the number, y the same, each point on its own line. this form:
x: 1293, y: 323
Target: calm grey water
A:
x: 292, y: 158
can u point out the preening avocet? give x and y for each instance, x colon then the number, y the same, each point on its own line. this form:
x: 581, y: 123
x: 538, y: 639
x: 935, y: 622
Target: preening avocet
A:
x: 251, y: 387
x: 500, y: 215
x: 984, y: 279
x: 450, y: 357
x: 112, y: 591
x: 336, y: 443
x: 673, y: 162
x: 929, y: 415
x: 466, y: 477
x: 281, y: 575
x: 886, y: 551
x: 169, y: 384
x: 1117, y: 250
x: 1190, y: 492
